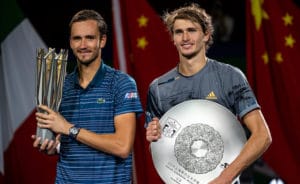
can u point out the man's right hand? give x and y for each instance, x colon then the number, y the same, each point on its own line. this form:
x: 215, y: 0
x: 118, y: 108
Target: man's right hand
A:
x: 153, y: 130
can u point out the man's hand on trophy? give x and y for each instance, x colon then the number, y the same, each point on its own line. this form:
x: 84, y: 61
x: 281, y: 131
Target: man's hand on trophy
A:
x: 49, y: 147
x: 52, y: 120
x: 153, y: 131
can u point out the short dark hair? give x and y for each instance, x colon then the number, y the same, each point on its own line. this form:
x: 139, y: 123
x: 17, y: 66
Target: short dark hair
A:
x: 90, y: 15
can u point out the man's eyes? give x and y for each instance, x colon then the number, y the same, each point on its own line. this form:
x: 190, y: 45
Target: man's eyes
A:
x: 191, y: 30
x: 87, y: 38
x: 76, y: 38
x: 90, y: 37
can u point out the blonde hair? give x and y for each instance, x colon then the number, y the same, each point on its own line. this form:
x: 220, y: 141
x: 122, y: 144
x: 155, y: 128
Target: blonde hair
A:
x: 193, y: 13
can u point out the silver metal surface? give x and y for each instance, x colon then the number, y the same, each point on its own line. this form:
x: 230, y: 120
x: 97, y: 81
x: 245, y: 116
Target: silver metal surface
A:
x: 199, y: 139
x: 50, y: 74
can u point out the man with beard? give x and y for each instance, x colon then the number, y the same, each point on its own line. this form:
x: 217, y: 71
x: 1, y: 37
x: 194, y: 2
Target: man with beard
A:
x: 96, y: 122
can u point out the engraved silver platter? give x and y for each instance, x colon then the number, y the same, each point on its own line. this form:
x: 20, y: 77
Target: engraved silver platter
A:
x: 200, y: 138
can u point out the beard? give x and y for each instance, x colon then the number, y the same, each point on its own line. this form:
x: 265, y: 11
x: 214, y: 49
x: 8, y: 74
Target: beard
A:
x: 88, y: 61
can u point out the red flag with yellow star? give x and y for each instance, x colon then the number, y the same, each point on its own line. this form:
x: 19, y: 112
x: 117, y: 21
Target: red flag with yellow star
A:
x: 273, y: 46
x: 142, y: 48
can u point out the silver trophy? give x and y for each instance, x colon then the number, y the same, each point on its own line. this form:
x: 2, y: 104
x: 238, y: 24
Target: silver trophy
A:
x: 200, y: 138
x: 50, y: 75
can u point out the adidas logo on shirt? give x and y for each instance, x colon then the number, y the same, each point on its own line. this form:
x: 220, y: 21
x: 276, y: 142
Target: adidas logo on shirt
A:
x: 211, y: 96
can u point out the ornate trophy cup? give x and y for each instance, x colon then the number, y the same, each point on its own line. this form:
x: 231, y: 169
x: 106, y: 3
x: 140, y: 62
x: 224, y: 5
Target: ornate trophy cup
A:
x: 50, y: 75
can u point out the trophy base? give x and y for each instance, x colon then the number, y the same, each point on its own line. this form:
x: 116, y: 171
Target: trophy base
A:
x: 44, y: 133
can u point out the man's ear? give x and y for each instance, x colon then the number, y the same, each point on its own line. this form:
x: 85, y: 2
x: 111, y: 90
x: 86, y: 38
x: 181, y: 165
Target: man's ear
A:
x: 103, y: 40
x: 206, y: 36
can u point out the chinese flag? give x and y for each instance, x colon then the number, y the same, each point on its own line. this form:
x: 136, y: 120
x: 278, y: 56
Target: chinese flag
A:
x: 142, y: 48
x: 273, y: 47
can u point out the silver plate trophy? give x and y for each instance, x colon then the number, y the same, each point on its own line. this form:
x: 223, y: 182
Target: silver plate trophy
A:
x: 50, y: 75
x: 200, y: 138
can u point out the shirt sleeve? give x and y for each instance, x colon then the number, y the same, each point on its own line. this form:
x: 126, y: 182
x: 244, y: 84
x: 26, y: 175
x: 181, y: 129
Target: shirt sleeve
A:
x: 152, y: 107
x: 126, y: 96
x: 243, y: 97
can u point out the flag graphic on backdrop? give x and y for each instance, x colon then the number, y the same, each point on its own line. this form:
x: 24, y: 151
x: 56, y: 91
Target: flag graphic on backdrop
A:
x: 143, y: 49
x: 273, y: 45
x: 19, y: 161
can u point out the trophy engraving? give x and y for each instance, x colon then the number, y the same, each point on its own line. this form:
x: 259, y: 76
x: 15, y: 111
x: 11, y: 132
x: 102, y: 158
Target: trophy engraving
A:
x: 199, y: 148
x: 50, y: 75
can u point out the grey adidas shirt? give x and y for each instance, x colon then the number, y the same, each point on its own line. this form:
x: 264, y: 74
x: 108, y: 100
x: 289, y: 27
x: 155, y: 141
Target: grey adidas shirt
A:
x: 218, y: 82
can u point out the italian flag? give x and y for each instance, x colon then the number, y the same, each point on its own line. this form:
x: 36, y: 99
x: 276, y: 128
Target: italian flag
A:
x: 19, y: 161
